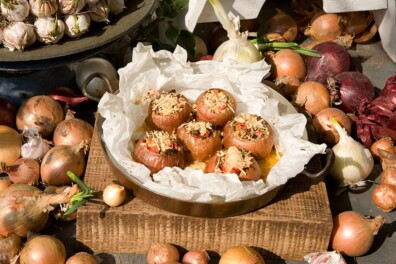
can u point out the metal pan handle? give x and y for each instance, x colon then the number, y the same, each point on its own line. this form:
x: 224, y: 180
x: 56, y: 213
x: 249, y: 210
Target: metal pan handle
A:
x: 108, y: 87
x: 326, y: 168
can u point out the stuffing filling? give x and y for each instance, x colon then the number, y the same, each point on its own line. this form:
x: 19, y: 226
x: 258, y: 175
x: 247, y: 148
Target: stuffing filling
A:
x: 217, y: 101
x: 161, y: 142
x: 168, y: 103
x: 250, y: 127
x: 199, y: 129
x: 233, y: 160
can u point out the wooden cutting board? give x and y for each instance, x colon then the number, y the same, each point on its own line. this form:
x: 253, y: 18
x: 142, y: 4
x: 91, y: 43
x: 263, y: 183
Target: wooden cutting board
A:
x: 296, y: 223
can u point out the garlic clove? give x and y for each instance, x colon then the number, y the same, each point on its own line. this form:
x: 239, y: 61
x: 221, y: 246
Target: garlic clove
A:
x: 18, y: 36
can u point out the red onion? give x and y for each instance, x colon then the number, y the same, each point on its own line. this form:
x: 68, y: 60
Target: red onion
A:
x: 348, y: 89
x: 389, y: 89
x: 7, y: 113
x: 67, y: 95
x: 334, y: 60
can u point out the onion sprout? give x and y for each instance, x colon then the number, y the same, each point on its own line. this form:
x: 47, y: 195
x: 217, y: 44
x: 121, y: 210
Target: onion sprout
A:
x: 264, y: 44
x: 80, y: 198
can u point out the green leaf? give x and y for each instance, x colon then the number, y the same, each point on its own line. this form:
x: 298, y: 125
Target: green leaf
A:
x: 75, y: 206
x: 172, y: 32
x: 187, y: 41
x: 166, y: 9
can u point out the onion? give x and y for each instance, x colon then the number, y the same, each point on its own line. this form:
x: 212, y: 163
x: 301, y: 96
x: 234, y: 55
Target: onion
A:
x: 7, y: 113
x: 325, y: 26
x: 9, y: 248
x: 23, y: 170
x: 67, y: 95
x: 353, y: 234
x: 200, y: 48
x: 348, y: 89
x: 43, y: 249
x: 384, y: 197
x: 325, y: 129
x: 241, y: 255
x: 386, y: 144
x: 312, y: 96
x: 367, y: 35
x: 162, y: 253
x: 72, y: 131
x: 334, y: 59
x: 42, y: 112
x: 286, y: 62
x: 61, y: 159
x: 10, y: 144
x: 4, y: 184
x: 357, y: 22
x: 287, y: 85
x: 83, y: 258
x: 25, y: 208
x: 353, y: 162
x: 196, y: 257
x: 114, y: 194
x: 283, y: 24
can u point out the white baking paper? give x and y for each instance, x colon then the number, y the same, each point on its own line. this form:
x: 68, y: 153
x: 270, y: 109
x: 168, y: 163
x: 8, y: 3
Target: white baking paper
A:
x: 164, y: 70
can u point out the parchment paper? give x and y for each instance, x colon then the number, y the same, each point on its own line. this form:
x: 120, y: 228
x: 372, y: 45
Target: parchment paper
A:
x: 164, y: 70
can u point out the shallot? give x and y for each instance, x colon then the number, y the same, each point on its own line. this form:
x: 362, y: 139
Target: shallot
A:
x: 162, y: 253
x: 384, y: 197
x: 196, y: 257
x: 353, y: 162
x: 353, y: 234
x: 114, y: 194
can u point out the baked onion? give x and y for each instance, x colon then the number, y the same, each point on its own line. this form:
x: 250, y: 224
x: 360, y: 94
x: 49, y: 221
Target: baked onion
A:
x: 200, y: 138
x: 168, y: 111
x: 249, y: 132
x: 216, y: 106
x: 235, y: 160
x: 157, y: 150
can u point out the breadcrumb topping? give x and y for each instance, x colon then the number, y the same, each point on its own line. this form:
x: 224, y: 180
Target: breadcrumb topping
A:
x: 161, y: 141
x: 233, y: 160
x: 217, y: 101
x: 199, y: 129
x: 168, y: 103
x: 250, y: 127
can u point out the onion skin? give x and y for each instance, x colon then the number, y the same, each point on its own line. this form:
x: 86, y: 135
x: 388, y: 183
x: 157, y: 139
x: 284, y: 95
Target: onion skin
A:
x: 43, y: 249
x: 157, y: 161
x: 60, y: 159
x: 10, y: 144
x: 282, y: 24
x: 313, y: 97
x: 162, y: 253
x: 82, y: 258
x: 241, y: 255
x: 200, y: 148
x: 42, y: 112
x: 353, y: 234
x: 334, y: 59
x: 168, y: 123
x: 287, y: 62
x: 72, y: 131
x: 196, y: 257
x: 324, y: 128
x: 260, y: 149
x: 217, y: 119
x: 384, y: 197
x: 388, y: 176
x: 252, y: 174
x: 23, y: 170
x: 9, y: 248
x: 325, y: 27
x: 7, y: 113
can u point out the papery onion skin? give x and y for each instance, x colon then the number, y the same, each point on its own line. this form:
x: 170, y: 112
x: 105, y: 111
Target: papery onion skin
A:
x: 384, y: 197
x: 325, y: 129
x: 260, y: 148
x: 162, y: 253
x: 10, y: 145
x: 348, y: 89
x: 196, y: 257
x: 9, y: 248
x: 353, y: 234
x: 42, y: 112
x: 200, y: 148
x: 388, y: 176
x: 325, y: 26
x: 168, y: 123
x: 252, y: 174
x: 157, y: 161
x: 82, y: 258
x: 23, y: 170
x: 241, y: 255
x: 313, y: 97
x: 385, y: 143
x: 286, y: 62
x: 43, y: 249
x: 7, y: 113
x: 334, y: 59
x: 218, y: 119
x: 60, y: 159
x: 237, y: 50
x: 72, y: 131
x: 287, y: 85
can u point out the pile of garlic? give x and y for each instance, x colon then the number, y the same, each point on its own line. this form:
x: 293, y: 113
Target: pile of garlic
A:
x: 23, y: 22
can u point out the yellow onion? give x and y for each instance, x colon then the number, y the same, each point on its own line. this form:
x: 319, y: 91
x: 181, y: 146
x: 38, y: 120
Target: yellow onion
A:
x: 83, y: 258
x: 72, y: 131
x: 10, y: 144
x: 241, y: 255
x: 43, y: 249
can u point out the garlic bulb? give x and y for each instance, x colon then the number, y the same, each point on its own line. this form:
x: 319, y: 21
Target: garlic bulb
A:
x: 99, y: 12
x: 353, y: 161
x: 69, y: 7
x: 18, y: 36
x: 116, y: 6
x: 49, y: 30
x: 43, y: 8
x: 15, y: 10
x: 35, y: 147
x: 76, y: 25
x: 326, y: 257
